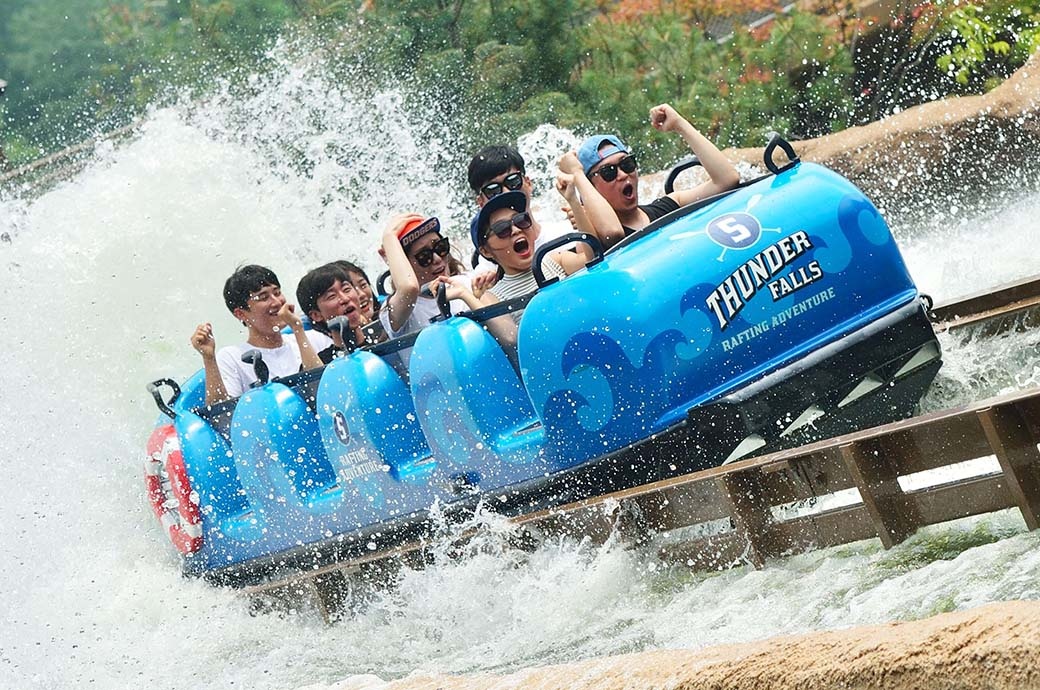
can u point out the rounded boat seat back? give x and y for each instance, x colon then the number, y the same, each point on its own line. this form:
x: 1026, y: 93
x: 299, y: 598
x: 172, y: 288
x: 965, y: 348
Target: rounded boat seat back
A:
x: 711, y: 301
x: 475, y: 412
x: 366, y: 414
x: 210, y: 465
x: 193, y: 393
x: 280, y: 459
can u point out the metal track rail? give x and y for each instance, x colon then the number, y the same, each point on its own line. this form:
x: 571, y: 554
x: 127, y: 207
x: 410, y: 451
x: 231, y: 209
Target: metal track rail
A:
x: 1014, y: 305
x: 828, y: 493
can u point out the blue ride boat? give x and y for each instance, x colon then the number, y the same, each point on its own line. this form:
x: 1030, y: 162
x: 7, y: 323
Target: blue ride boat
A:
x: 776, y: 314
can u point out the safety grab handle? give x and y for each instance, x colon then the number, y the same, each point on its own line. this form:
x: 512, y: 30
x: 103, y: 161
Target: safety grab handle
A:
x: 591, y: 240
x: 443, y: 304
x: 777, y: 141
x: 381, y: 284
x: 684, y: 164
x: 263, y: 374
x: 341, y: 325
x: 165, y: 406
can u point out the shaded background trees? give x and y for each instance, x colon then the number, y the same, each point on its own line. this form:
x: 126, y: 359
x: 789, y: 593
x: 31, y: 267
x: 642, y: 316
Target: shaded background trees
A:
x: 495, y: 69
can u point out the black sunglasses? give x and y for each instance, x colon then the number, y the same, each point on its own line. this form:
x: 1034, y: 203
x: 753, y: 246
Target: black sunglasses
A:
x: 609, y: 172
x: 512, y: 182
x: 504, y: 228
x: 424, y: 257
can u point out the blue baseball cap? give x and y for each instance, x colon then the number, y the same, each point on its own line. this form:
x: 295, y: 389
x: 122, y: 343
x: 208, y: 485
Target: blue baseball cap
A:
x: 590, y: 153
x: 514, y: 200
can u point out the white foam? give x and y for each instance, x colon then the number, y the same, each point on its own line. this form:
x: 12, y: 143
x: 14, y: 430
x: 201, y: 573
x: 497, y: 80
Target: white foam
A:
x: 106, y: 275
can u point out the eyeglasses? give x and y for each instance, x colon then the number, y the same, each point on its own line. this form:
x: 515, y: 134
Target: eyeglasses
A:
x: 512, y: 182
x: 609, y: 172
x: 424, y: 257
x: 504, y: 228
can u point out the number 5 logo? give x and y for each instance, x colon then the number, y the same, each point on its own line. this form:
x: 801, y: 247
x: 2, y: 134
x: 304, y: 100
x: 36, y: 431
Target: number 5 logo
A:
x: 735, y: 230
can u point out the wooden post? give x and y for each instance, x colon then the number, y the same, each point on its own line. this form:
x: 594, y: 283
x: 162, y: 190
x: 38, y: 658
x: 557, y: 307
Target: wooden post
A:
x: 1015, y: 448
x: 750, y: 512
x: 875, y: 468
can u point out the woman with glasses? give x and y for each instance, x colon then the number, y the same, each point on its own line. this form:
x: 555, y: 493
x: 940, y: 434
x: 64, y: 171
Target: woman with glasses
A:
x: 505, y: 233
x: 420, y: 261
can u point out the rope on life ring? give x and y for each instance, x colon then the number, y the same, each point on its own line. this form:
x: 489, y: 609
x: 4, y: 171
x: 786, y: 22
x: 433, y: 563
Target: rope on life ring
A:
x: 171, y: 496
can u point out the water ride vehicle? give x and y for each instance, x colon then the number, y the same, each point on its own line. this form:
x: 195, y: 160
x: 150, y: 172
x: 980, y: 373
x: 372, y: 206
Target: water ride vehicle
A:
x: 778, y: 313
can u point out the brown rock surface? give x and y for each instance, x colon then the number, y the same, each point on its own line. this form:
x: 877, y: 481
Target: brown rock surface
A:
x: 937, y: 149
x: 992, y: 647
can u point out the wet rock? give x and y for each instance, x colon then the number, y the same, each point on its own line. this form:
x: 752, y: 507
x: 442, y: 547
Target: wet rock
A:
x: 954, y: 151
x: 993, y: 647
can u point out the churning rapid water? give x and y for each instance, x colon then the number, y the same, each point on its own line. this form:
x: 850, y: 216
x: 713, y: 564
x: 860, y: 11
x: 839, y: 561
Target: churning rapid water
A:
x: 104, y: 278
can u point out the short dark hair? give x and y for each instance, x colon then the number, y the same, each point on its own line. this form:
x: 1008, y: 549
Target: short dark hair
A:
x: 245, y: 281
x: 351, y: 267
x: 316, y: 282
x: 492, y: 161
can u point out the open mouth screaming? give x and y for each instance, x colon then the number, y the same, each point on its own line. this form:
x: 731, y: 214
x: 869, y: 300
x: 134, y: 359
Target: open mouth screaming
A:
x: 629, y: 191
x: 521, y: 246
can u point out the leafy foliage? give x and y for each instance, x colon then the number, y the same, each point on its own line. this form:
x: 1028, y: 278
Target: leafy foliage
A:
x: 978, y: 34
x: 494, y: 69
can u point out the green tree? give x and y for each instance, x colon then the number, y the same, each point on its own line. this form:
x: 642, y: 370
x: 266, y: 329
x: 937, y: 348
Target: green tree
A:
x: 986, y: 41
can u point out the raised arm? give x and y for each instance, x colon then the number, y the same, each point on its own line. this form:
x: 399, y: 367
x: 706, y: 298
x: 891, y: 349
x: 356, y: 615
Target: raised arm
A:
x: 592, y: 213
x: 203, y: 342
x: 723, y: 176
x: 406, y: 286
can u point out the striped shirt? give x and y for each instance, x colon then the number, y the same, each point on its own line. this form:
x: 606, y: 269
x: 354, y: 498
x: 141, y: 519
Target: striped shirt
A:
x: 519, y: 284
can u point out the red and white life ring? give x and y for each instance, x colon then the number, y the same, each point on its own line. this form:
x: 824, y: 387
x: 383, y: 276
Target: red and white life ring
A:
x: 172, y: 500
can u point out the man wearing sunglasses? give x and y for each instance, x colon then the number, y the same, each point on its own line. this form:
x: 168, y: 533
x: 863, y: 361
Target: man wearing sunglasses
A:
x: 496, y: 170
x: 614, y: 172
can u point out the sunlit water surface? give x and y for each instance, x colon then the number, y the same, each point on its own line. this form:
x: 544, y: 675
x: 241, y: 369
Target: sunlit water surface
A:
x: 106, y: 275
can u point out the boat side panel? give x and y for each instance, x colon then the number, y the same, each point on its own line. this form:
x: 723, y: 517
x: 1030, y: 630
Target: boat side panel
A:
x: 717, y: 299
x: 372, y: 437
x: 473, y: 408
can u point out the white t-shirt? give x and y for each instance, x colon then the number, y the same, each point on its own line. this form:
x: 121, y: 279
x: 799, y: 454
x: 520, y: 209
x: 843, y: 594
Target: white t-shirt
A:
x: 238, y: 376
x: 425, y: 309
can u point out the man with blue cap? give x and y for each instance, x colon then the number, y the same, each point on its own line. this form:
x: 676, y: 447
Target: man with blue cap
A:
x: 610, y: 166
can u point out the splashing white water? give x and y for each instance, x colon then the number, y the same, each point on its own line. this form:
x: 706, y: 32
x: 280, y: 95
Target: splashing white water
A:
x: 107, y: 274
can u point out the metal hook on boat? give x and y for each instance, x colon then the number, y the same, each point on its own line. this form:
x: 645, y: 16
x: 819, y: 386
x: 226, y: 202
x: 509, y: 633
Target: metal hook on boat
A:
x: 164, y: 406
x: 381, y: 284
x: 443, y: 303
x: 777, y: 141
x: 684, y: 164
x: 263, y: 374
x: 562, y: 240
x: 341, y: 325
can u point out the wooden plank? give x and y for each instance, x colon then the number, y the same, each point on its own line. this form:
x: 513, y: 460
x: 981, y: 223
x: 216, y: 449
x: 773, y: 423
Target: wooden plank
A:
x: 748, y: 490
x: 1015, y: 448
x: 875, y: 466
x: 750, y: 511
x: 961, y: 499
x: 823, y: 530
x: 715, y: 552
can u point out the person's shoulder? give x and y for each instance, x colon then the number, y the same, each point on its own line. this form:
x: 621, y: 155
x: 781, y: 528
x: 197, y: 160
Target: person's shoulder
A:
x: 659, y: 207
x: 319, y: 341
x: 232, y: 353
